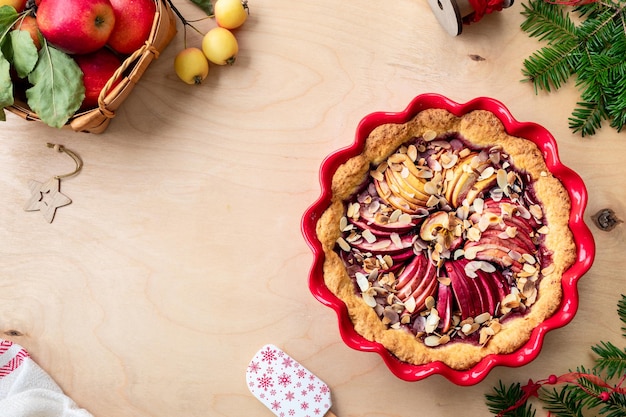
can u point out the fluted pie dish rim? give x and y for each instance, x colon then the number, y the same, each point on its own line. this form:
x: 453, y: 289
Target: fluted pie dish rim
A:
x: 585, y: 249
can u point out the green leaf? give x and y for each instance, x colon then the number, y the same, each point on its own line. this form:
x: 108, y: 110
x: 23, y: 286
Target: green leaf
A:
x: 25, y: 54
x: 205, y: 5
x: 6, y: 86
x: 8, y: 16
x: 57, y: 90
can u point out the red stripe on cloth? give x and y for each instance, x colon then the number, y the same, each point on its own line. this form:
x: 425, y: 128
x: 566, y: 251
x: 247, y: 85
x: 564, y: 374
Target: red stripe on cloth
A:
x: 4, y: 346
x: 14, y: 363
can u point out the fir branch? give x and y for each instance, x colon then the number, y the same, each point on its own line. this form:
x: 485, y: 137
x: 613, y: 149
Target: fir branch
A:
x: 550, y: 67
x: 621, y: 312
x: 596, y: 33
x: 593, y: 51
x: 548, y: 23
x: 587, y: 386
x: 505, y: 397
x: 615, y: 406
x: 611, y: 360
x: 596, y: 391
x: 563, y: 403
x: 587, y: 118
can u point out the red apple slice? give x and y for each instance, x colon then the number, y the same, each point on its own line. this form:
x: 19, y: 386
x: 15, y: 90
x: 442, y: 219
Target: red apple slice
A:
x: 444, y: 307
x: 368, y: 221
x: 428, y: 290
x: 466, y: 299
x: 385, y: 246
x: 499, y: 256
x: 494, y: 285
x: 412, y: 273
x: 427, y: 286
x: 459, y: 289
x: 480, y: 294
x: 521, y: 242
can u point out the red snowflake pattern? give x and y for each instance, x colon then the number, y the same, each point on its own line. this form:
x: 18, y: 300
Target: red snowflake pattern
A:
x: 268, y: 355
x: 286, y: 387
x: 254, y: 367
x: 284, y: 379
x: 265, y: 382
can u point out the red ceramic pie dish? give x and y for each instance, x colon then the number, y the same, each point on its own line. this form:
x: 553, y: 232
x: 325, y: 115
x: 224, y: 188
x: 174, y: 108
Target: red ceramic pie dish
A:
x: 581, y: 233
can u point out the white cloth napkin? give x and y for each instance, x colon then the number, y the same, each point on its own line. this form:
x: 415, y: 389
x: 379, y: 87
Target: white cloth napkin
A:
x: 26, y: 390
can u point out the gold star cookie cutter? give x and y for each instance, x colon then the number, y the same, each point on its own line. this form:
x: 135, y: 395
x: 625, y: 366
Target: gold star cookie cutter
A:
x: 47, y: 196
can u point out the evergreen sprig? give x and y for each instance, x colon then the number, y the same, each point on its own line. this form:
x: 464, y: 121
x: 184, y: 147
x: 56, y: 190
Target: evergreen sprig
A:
x: 592, y: 50
x: 599, y: 390
x: 563, y: 403
x: 505, y: 397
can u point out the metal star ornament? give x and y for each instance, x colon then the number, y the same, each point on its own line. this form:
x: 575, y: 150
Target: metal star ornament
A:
x: 46, y: 197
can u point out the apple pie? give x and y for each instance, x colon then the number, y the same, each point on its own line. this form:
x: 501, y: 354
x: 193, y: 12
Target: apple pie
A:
x: 447, y: 238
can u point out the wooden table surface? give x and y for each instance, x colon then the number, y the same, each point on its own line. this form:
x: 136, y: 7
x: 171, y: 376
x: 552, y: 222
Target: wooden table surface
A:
x: 181, y: 253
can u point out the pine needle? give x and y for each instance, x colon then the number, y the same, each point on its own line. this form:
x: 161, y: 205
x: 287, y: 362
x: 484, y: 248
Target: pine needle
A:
x: 563, y: 403
x: 611, y: 360
x: 593, y: 51
x: 621, y: 311
x: 504, y: 397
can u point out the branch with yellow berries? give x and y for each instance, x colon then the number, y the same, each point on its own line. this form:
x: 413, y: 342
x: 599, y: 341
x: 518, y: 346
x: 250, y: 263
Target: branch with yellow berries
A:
x: 219, y: 45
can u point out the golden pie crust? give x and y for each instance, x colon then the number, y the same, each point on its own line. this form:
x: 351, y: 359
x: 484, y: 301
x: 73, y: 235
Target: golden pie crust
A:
x: 483, y: 129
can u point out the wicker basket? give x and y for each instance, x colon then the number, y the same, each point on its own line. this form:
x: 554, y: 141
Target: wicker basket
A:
x: 97, y: 120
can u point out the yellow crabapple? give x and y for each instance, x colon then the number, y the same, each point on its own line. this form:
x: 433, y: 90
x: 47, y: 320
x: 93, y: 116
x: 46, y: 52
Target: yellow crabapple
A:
x: 191, y: 66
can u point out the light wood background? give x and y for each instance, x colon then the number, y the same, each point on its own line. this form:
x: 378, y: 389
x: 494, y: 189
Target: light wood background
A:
x: 181, y: 254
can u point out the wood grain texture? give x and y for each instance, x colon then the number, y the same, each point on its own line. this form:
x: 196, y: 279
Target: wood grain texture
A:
x: 181, y: 252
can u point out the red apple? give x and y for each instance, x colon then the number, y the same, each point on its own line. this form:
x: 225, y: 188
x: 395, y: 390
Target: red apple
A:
x: 97, y: 67
x: 133, y: 23
x: 29, y: 24
x: 76, y: 26
x: 18, y: 5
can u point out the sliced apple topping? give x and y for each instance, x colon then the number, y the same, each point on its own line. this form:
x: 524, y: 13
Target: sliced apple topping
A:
x: 445, y: 241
